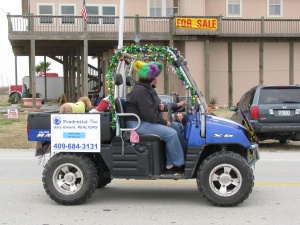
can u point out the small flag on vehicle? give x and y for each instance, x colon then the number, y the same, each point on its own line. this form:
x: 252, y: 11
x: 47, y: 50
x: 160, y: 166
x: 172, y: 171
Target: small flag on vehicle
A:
x: 249, y: 127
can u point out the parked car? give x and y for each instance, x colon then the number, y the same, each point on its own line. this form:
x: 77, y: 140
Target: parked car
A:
x: 273, y: 112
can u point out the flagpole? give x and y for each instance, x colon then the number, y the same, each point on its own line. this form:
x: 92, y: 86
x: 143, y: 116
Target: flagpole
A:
x: 84, y: 71
x: 122, y: 87
x: 121, y: 25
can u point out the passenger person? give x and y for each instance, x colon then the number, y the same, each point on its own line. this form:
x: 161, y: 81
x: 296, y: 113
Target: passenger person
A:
x: 181, y: 118
x: 162, y: 107
x: 141, y: 102
x: 103, y: 105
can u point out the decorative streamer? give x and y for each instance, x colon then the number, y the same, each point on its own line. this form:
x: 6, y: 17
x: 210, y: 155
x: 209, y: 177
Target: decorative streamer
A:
x: 146, y: 53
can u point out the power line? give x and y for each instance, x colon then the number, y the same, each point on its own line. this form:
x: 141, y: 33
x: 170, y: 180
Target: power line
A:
x: 3, y: 10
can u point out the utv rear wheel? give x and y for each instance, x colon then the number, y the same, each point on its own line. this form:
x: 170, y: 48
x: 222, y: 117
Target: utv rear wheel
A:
x: 225, y: 179
x: 70, y: 179
x: 104, y: 178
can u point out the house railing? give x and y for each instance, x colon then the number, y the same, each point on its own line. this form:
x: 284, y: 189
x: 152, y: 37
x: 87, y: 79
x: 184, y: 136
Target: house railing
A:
x: 160, y: 28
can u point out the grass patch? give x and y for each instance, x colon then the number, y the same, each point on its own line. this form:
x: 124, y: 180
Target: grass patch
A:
x: 3, y: 123
x: 8, y: 121
x: 223, y: 112
x: 4, y: 104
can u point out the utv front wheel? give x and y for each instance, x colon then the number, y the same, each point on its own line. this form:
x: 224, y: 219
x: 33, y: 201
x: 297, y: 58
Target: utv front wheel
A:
x: 225, y: 179
x: 70, y: 179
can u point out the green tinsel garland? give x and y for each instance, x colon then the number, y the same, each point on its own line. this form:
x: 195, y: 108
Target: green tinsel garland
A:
x: 150, y: 53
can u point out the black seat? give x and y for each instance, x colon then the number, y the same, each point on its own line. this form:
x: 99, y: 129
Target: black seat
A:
x: 120, y: 103
x: 120, y: 108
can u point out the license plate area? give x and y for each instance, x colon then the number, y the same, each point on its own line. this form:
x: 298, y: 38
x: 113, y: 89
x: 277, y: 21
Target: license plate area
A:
x: 284, y: 112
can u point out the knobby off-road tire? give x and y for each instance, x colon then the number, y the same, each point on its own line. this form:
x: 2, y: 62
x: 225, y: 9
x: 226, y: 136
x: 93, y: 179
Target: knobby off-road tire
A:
x: 225, y: 179
x: 104, y: 178
x: 70, y: 179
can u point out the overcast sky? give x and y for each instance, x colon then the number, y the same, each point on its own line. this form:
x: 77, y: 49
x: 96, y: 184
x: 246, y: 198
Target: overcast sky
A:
x: 7, y: 58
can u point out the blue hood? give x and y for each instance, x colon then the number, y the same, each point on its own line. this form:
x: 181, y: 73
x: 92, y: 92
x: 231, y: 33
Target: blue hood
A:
x: 218, y: 130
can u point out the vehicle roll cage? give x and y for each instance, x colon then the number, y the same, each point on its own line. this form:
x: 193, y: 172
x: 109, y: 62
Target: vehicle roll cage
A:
x: 121, y: 64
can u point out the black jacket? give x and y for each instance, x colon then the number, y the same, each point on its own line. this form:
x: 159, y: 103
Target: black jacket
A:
x: 141, y: 102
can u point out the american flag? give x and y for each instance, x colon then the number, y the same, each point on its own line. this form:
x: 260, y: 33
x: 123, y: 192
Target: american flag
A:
x: 83, y: 11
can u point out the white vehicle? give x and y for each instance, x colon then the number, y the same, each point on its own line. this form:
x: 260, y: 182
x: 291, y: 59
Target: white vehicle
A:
x: 55, y: 86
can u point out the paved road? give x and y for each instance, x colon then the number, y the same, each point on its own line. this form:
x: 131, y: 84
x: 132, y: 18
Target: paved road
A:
x: 274, y: 200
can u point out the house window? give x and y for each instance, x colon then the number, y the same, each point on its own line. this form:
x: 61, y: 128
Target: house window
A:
x: 93, y: 13
x: 274, y: 8
x: 233, y: 8
x: 163, y: 8
x: 68, y: 13
x: 108, y: 11
x: 46, y: 11
x: 172, y: 7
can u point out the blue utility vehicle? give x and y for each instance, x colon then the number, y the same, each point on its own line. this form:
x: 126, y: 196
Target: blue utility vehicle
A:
x: 89, y: 150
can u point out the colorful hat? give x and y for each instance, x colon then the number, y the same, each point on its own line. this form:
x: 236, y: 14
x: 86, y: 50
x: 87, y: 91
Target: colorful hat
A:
x: 160, y: 66
x: 148, y: 70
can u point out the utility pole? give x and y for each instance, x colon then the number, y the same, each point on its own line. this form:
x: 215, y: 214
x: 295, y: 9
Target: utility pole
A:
x: 16, y: 79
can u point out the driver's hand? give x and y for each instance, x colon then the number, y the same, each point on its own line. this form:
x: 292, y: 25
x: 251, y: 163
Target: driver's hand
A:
x: 181, y: 104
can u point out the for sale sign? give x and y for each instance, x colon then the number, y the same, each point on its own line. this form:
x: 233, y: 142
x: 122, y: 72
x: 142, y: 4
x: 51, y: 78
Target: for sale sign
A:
x: 12, y: 113
x: 197, y: 23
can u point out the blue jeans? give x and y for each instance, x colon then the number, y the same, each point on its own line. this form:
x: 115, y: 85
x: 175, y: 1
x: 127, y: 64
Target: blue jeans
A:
x: 174, y: 152
x: 180, y: 132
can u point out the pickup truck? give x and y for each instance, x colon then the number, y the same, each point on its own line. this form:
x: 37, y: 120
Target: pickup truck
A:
x: 89, y: 150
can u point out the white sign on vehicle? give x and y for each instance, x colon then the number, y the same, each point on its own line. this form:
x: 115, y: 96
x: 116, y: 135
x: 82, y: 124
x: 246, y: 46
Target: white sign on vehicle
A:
x: 75, y: 133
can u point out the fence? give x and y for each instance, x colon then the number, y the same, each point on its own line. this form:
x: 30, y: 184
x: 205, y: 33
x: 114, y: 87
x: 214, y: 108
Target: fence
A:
x: 160, y: 28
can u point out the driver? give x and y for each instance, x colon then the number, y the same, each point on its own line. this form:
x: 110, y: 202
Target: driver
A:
x: 141, y: 102
x: 174, y: 106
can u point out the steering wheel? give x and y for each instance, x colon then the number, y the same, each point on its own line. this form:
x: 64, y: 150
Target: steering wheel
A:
x: 176, y: 100
x: 180, y: 109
